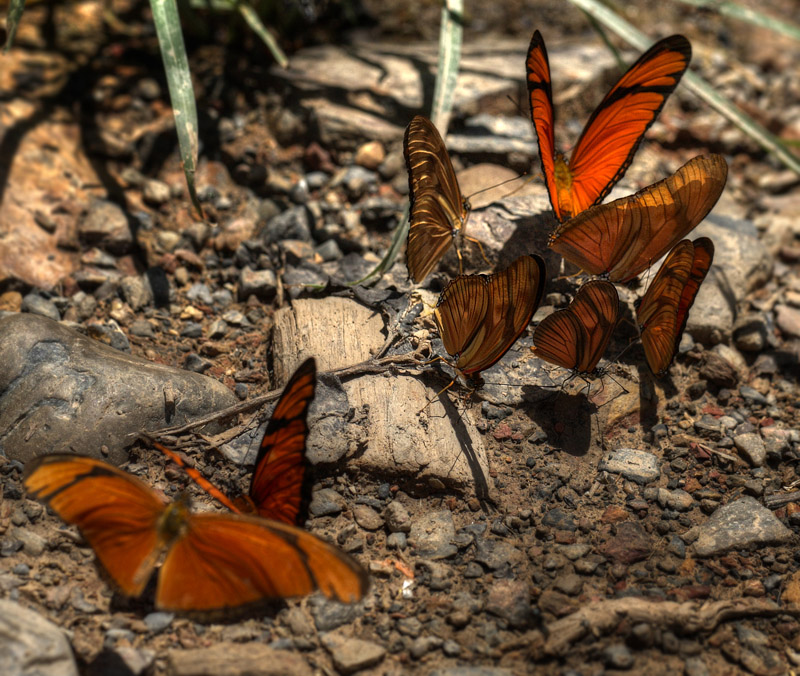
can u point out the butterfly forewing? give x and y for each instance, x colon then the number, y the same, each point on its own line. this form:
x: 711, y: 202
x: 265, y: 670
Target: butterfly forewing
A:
x: 613, y: 133
x: 277, y: 483
x: 663, y: 311
x: 228, y: 560
x: 438, y: 210
x: 461, y: 311
x: 577, y: 336
x: 624, y: 237
x: 116, y: 513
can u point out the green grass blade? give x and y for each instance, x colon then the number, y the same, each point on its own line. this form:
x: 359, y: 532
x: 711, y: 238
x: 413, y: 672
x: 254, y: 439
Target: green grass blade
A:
x: 258, y: 27
x: 736, y: 11
x: 15, y: 8
x: 181, y: 92
x: 398, y: 239
x: 450, y: 37
x: 696, y: 85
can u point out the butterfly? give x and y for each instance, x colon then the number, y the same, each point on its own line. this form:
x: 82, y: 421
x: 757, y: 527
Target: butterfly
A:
x: 624, y: 237
x: 481, y: 316
x: 211, y: 561
x: 664, y: 309
x: 438, y: 210
x: 577, y: 336
x: 276, y: 488
x: 613, y: 133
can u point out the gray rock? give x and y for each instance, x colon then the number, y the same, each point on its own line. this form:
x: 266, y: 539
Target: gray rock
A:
x: 352, y: 654
x: 432, y: 535
x: 569, y: 583
x: 367, y: 518
x: 263, y: 284
x: 143, y: 329
x: 752, y: 447
x: 738, y: 525
x: 106, y: 225
x: 788, y: 320
x: 751, y: 332
x: 694, y: 666
x: 32, y: 646
x: 496, y: 554
x: 560, y: 519
x: 32, y: 543
x: 155, y: 192
x: 37, y: 305
x: 618, y: 656
x: 328, y: 615
x: 678, y: 499
x: 397, y: 540
x: 61, y: 391
x: 136, y: 292
x: 511, y: 600
x: 741, y: 264
x: 326, y: 502
x: 200, y: 293
x: 423, y: 645
x: 639, y: 466
x: 397, y: 517
x: 158, y: 621
x: 294, y: 223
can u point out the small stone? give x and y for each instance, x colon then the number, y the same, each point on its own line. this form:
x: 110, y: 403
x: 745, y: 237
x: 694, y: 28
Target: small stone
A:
x: 788, y: 320
x: 370, y: 155
x: 37, y: 305
x: 750, y: 332
x: 738, y: 525
x: 570, y: 583
x: 263, y: 284
x: 618, y: 656
x: 752, y: 448
x: 432, y: 535
x: 158, y: 621
x: 397, y: 541
x: 135, y: 292
x: 511, y: 600
x: 326, y: 502
x: 200, y: 293
x: 718, y: 370
x: 639, y: 466
x: 423, y: 645
x: 367, y: 518
x: 106, y: 225
x: 630, y: 544
x: 294, y: 223
x: 32, y: 543
x: 352, y: 654
x: 397, y: 517
x: 559, y: 519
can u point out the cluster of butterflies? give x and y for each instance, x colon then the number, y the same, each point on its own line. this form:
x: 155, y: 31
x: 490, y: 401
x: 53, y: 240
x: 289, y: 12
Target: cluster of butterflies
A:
x: 481, y: 316
x: 211, y: 561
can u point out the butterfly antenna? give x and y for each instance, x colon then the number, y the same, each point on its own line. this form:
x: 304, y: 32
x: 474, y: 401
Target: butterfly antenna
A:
x: 496, y: 185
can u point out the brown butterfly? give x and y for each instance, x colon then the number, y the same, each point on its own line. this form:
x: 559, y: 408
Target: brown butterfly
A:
x: 481, y: 316
x: 624, y: 237
x: 276, y: 489
x: 577, y: 336
x: 613, y: 133
x: 438, y: 210
x: 211, y: 561
x: 663, y: 311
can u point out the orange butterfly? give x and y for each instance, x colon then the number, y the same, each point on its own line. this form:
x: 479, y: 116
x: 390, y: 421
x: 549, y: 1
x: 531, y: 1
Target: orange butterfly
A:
x: 613, y: 133
x: 211, y: 561
x: 577, y: 336
x: 438, y: 211
x: 663, y: 311
x: 624, y: 237
x: 276, y: 489
x: 481, y: 316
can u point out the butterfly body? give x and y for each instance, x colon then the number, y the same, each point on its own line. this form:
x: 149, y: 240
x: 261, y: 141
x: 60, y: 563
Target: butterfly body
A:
x: 613, y: 133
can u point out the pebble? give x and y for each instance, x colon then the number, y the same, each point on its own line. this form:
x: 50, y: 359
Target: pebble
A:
x: 370, y: 155
x: 32, y: 543
x: 397, y: 517
x: 263, y: 284
x: 639, y: 466
x: 694, y: 666
x: 679, y: 500
x: 35, y: 304
x: 496, y: 554
x: 352, y: 654
x: 618, y: 656
x: 135, y: 292
x: 158, y: 621
x: 740, y: 524
x: 752, y: 448
x: 367, y: 518
x: 788, y: 320
x: 397, y: 541
x: 631, y: 543
x: 432, y: 535
x: 294, y: 223
x: 200, y: 293
x: 142, y: 328
x: 328, y: 615
x: 558, y: 518
x: 326, y: 502
x: 570, y: 583
x: 106, y: 225
x: 511, y: 600
x: 752, y: 395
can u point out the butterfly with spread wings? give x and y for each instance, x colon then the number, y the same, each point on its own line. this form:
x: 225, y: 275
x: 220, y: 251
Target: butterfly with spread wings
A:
x: 623, y: 238
x: 663, y: 311
x: 211, y: 562
x: 276, y: 488
x: 613, y: 133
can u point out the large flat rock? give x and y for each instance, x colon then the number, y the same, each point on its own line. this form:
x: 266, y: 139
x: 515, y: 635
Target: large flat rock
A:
x: 63, y: 392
